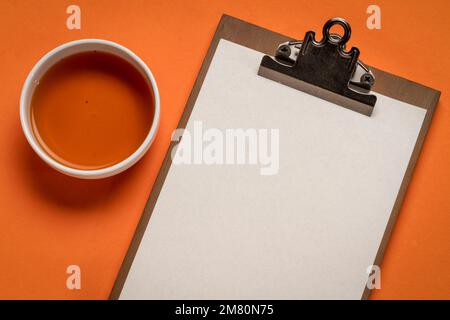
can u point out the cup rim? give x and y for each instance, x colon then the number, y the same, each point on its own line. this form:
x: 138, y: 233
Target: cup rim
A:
x: 95, y: 173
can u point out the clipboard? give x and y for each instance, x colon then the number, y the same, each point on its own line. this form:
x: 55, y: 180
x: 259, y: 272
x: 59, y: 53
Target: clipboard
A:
x: 262, y: 40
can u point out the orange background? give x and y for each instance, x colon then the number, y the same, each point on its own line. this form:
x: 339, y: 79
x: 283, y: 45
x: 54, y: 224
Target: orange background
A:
x: 49, y: 221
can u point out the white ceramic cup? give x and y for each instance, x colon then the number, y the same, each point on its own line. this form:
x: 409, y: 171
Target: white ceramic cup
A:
x: 49, y: 60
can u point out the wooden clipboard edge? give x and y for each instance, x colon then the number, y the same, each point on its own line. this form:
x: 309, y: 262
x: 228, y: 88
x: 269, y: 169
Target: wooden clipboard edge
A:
x: 249, y: 35
x: 434, y: 96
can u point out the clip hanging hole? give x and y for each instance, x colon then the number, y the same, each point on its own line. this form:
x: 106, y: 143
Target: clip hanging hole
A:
x: 331, y: 37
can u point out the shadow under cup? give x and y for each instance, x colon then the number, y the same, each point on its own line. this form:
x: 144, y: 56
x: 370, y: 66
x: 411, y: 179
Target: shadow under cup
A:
x: 90, y: 108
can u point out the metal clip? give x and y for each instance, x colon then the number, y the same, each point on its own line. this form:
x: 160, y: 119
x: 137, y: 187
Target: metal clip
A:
x: 324, y: 65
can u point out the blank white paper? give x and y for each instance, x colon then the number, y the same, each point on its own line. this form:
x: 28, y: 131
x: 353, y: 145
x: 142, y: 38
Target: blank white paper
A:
x: 310, y: 231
